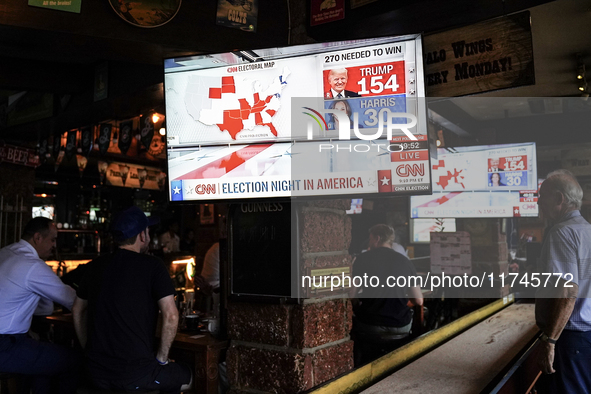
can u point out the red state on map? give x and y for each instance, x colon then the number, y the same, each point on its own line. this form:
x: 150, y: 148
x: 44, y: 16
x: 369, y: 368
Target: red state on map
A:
x: 233, y: 118
x: 232, y: 124
x: 444, y: 179
x: 215, y: 93
x: 440, y: 163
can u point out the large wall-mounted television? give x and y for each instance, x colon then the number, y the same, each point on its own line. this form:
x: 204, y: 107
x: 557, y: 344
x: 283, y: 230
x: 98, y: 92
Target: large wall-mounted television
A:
x: 495, y: 181
x: 265, y: 123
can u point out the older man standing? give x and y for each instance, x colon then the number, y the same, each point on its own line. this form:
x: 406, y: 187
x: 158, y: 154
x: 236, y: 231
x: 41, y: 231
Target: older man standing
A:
x: 29, y: 287
x: 563, y: 313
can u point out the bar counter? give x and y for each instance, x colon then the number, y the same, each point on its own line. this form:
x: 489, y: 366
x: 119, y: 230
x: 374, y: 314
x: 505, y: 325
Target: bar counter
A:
x: 470, y: 361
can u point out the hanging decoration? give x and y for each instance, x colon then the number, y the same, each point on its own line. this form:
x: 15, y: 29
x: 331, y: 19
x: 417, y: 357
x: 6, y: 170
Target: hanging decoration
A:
x: 238, y: 14
x: 147, y: 13
x: 146, y: 130
x: 58, y: 159
x: 71, y: 144
x: 132, y: 176
x: 123, y: 172
x: 322, y: 11
x: 157, y: 146
x: 125, y: 134
x: 102, y: 169
x: 18, y: 155
x: 161, y: 180
x: 56, y: 146
x: 82, y: 161
x: 104, y: 137
x: 86, y: 140
x: 44, y: 150
x: 142, y: 173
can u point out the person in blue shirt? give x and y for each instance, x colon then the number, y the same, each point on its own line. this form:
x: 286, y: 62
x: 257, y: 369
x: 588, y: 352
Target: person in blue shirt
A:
x: 563, y: 308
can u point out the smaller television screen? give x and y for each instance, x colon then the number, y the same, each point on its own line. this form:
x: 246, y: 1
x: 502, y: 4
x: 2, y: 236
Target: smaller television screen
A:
x: 46, y: 211
x: 356, y: 206
x: 421, y: 229
x: 510, y: 167
x: 476, y: 205
x: 490, y: 181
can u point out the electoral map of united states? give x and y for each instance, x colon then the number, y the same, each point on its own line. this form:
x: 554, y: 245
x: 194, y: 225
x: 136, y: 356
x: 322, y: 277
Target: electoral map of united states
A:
x: 241, y: 104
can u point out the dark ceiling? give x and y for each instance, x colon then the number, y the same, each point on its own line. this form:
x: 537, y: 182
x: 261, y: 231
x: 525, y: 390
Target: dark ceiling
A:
x: 58, y: 52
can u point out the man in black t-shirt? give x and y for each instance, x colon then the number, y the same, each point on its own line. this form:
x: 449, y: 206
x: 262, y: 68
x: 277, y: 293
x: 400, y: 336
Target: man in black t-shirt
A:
x: 116, y: 313
x: 383, y: 309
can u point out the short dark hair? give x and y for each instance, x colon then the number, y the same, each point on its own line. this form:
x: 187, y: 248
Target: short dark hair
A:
x: 36, y: 225
x: 128, y: 241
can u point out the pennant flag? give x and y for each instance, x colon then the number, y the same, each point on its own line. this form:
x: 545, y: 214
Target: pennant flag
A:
x: 71, y: 144
x: 125, y: 129
x: 57, y: 142
x: 86, y: 140
x: 58, y: 159
x: 44, y: 150
x: 104, y: 137
x: 146, y: 130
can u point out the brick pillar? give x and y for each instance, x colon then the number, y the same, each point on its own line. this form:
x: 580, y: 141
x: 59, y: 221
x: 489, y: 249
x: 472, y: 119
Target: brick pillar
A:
x: 489, y: 251
x: 292, y: 348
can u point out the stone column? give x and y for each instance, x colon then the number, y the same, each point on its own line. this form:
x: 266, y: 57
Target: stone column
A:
x: 291, y: 348
x: 489, y: 252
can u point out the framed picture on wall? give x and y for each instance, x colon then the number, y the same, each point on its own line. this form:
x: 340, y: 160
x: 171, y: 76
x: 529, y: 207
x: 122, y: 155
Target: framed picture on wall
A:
x: 206, y: 214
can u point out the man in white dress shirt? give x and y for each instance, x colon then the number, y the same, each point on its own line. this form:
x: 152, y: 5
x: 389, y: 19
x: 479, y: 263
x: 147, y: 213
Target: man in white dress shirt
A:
x: 29, y: 287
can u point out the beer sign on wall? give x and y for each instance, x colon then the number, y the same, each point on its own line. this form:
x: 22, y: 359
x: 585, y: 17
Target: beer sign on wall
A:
x: 134, y: 176
x: 491, y: 55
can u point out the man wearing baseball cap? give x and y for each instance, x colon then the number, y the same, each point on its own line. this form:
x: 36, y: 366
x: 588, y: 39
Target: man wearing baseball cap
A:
x: 116, y: 313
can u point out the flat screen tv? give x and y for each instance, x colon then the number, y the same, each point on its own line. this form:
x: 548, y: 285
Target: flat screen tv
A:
x: 496, y: 181
x: 356, y: 206
x: 270, y: 122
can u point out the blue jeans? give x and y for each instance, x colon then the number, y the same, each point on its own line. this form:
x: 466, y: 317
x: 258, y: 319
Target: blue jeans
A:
x: 572, y: 362
x: 44, y: 361
x: 167, y: 379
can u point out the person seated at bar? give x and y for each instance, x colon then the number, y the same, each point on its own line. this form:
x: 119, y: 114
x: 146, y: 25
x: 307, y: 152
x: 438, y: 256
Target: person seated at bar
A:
x: 188, y: 241
x: 29, y: 287
x: 382, y: 313
x: 207, y: 284
x: 169, y: 240
x: 116, y: 314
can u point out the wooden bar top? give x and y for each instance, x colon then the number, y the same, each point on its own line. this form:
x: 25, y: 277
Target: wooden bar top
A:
x: 468, y: 362
x: 182, y: 340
